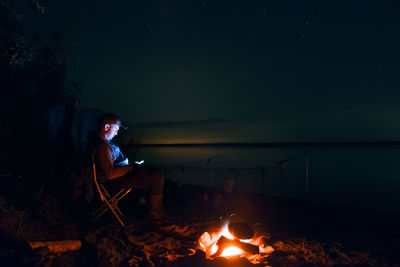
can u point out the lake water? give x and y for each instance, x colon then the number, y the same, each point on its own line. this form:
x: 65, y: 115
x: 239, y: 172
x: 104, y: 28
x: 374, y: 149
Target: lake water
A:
x: 361, y: 176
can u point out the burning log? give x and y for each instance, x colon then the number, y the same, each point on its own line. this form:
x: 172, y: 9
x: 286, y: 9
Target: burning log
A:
x: 234, y: 239
x: 225, y: 242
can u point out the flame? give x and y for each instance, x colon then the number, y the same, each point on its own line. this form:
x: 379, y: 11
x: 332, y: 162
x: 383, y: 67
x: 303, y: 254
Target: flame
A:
x: 225, y: 232
x: 208, y: 243
x: 231, y: 251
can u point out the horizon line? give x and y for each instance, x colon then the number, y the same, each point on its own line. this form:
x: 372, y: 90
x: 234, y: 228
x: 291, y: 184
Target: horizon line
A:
x: 342, y: 143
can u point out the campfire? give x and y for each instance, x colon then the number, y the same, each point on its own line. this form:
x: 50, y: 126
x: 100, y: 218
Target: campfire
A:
x: 235, y: 240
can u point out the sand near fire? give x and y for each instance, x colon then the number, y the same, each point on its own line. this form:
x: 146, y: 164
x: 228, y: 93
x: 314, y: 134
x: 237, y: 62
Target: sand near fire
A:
x: 299, y: 233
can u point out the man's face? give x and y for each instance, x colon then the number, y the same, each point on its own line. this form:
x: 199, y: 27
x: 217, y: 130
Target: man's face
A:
x: 111, y: 130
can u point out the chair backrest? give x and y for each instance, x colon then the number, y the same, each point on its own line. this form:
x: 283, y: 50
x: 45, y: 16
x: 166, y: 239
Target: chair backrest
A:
x: 99, y: 189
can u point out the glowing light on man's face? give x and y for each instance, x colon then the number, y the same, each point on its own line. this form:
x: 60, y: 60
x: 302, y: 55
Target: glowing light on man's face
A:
x: 112, y: 131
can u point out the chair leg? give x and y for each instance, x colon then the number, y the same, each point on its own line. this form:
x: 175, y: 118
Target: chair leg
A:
x: 103, y: 209
x: 112, y: 204
x: 100, y: 211
x: 114, y: 201
x: 115, y: 213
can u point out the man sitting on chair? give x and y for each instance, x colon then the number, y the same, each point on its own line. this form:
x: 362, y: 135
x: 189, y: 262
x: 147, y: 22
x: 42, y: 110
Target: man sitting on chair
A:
x: 115, y: 171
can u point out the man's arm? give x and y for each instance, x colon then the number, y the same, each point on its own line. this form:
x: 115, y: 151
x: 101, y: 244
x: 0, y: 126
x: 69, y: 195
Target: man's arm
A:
x: 105, y: 163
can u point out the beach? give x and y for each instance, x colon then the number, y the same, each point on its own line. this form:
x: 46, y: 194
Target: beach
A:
x: 301, y: 233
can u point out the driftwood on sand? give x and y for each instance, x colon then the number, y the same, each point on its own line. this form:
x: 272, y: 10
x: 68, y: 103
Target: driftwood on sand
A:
x: 57, y: 246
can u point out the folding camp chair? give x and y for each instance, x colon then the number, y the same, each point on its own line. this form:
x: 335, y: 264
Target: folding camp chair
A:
x: 109, y: 202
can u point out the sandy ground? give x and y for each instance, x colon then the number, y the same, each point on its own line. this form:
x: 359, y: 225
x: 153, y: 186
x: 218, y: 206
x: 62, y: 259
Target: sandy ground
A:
x: 300, y: 233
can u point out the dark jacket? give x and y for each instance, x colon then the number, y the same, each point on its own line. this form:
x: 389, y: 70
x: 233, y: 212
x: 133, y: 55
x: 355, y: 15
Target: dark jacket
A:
x: 108, y: 158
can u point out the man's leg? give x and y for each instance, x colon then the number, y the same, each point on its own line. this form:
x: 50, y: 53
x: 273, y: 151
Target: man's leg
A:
x: 147, y: 178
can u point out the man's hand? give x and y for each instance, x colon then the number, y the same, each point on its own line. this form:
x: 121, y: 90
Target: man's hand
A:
x: 125, y: 162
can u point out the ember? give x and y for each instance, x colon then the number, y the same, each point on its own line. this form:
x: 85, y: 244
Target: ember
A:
x: 223, y: 243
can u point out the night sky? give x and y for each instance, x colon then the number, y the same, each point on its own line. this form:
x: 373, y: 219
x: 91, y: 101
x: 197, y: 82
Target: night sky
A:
x: 237, y: 71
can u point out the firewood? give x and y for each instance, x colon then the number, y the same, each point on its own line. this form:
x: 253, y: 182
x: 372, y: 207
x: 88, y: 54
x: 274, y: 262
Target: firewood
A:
x: 57, y: 246
x: 225, y: 242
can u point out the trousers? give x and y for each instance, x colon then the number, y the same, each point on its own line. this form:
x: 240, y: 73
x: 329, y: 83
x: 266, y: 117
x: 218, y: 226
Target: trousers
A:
x: 141, y: 178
